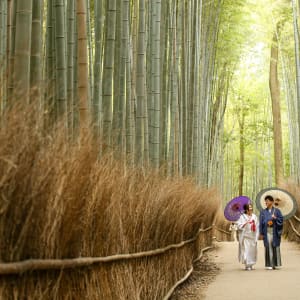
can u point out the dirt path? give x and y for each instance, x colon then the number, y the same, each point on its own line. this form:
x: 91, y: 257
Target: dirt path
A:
x: 221, y: 277
x: 233, y: 282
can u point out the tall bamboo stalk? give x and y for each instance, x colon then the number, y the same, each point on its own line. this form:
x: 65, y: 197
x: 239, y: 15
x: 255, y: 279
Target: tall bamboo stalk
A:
x: 36, y: 60
x: 155, y: 84
x: 22, y: 49
x: 140, y: 87
x: 297, y: 59
x: 3, y: 51
x: 108, y: 71
x: 60, y: 58
x: 50, y: 74
x: 275, y: 97
x: 83, y: 82
x: 71, y: 23
x: 11, y: 5
x: 97, y: 91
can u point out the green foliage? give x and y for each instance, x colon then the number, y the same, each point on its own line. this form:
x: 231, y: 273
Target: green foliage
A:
x: 248, y: 28
x: 233, y: 31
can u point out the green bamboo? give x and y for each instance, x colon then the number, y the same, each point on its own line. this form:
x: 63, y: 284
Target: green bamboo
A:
x: 108, y: 69
x: 155, y: 85
x: 50, y: 63
x: 22, y: 49
x: 11, y: 6
x: 60, y: 58
x: 297, y: 59
x: 71, y: 23
x: 3, y: 50
x: 90, y: 45
x: 118, y: 82
x: 140, y: 87
x: 97, y: 91
x: 82, y: 54
x: 36, y: 50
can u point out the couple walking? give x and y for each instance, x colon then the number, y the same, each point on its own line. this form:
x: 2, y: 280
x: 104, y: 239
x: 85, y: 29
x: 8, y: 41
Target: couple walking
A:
x: 268, y: 228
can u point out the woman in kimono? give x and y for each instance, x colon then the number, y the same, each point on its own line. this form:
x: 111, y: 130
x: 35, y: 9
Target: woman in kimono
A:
x: 270, y: 229
x: 248, y: 235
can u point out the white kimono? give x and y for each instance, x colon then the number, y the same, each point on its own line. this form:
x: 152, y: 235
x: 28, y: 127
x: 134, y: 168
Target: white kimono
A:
x: 248, y: 236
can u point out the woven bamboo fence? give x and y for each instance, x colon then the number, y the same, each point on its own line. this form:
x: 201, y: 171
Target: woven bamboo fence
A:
x: 110, y: 277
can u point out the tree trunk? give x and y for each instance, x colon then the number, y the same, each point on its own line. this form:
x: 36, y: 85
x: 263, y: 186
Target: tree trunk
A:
x: 275, y: 97
x: 297, y: 60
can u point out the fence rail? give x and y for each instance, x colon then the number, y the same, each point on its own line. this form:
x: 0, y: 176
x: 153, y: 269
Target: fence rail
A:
x: 203, y: 241
x: 50, y: 264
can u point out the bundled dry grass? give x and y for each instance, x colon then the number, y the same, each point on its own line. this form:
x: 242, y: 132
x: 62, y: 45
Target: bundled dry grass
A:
x: 223, y: 233
x: 59, y: 200
x: 291, y: 228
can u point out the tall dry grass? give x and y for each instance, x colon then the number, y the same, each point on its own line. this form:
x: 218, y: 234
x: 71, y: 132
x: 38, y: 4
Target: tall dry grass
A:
x: 58, y: 199
x: 291, y: 228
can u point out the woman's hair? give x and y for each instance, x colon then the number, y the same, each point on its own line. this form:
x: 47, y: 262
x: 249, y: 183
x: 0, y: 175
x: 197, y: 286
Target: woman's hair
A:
x: 246, y: 207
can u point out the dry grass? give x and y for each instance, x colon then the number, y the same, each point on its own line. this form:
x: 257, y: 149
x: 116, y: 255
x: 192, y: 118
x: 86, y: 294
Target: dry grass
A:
x: 288, y: 232
x: 59, y: 200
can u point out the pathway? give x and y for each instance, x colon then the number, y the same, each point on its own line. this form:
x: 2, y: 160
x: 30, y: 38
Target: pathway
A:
x: 233, y: 282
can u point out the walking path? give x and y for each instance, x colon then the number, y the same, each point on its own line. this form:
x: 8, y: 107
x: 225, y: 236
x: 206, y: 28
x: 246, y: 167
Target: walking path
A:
x: 233, y: 282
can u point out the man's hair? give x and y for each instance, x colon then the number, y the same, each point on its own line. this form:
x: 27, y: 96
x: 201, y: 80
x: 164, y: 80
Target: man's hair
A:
x: 269, y: 197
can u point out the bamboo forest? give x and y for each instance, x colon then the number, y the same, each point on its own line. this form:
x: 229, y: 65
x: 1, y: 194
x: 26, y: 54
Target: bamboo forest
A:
x: 126, y: 126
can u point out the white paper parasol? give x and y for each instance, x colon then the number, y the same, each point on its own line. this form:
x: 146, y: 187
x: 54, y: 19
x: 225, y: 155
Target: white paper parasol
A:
x: 282, y: 200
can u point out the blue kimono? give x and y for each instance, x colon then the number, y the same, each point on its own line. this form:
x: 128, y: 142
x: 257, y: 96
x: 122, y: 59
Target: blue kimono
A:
x: 271, y: 229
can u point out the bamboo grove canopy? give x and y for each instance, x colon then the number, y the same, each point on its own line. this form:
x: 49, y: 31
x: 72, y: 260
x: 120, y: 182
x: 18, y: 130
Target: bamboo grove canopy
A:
x: 151, y: 77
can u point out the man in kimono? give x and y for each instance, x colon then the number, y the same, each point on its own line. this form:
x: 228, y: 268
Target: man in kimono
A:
x: 270, y: 229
